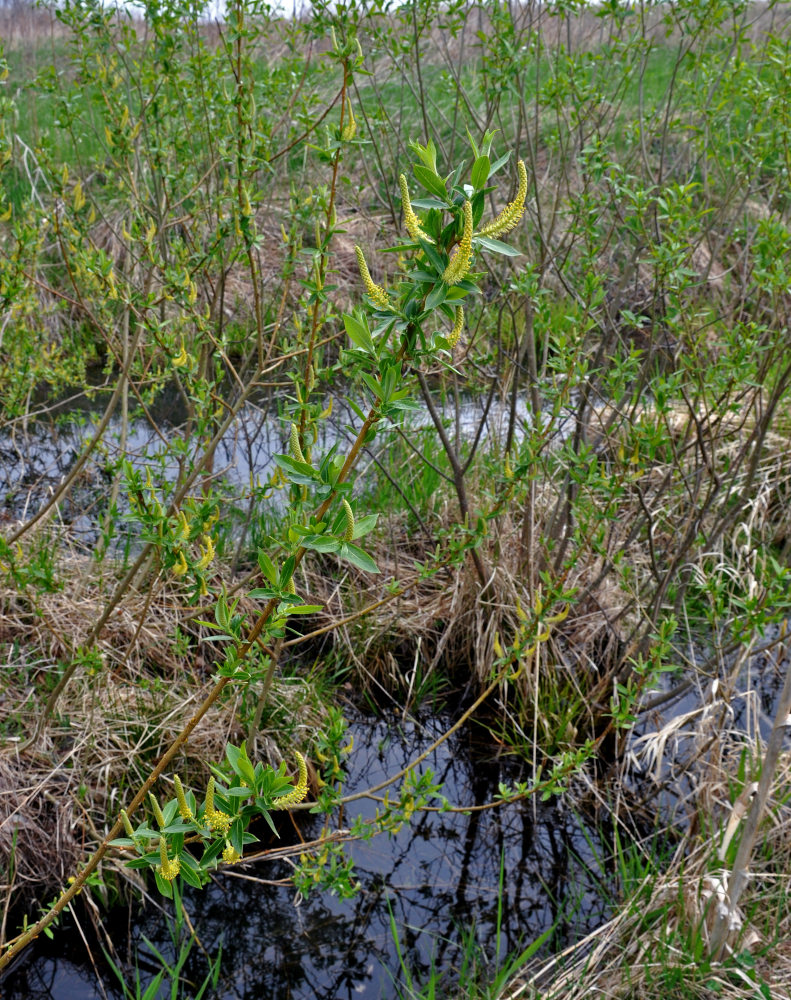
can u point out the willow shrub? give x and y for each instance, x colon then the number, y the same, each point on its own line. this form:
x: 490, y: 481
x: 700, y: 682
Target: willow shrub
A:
x: 178, y: 221
x: 154, y: 313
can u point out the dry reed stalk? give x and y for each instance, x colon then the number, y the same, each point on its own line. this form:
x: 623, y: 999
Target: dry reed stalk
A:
x: 728, y: 920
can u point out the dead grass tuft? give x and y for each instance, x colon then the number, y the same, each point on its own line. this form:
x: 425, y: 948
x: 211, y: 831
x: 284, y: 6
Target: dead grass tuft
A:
x: 40, y: 830
x: 121, y: 711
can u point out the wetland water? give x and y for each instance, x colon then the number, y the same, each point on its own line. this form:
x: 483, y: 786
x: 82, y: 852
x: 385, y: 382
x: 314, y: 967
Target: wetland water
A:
x: 440, y: 878
x: 439, y: 883
x: 501, y: 877
x: 37, y: 455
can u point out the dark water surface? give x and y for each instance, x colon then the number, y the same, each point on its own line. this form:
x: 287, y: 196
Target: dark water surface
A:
x: 498, y: 877
x: 440, y: 879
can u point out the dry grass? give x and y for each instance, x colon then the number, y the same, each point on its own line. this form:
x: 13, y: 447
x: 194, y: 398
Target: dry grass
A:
x: 120, y: 713
x: 455, y: 623
x: 657, y: 944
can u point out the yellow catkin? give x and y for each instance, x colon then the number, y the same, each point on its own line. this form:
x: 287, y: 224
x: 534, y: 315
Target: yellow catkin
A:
x: 411, y: 221
x: 157, y: 811
x: 182, y: 359
x: 300, y: 790
x: 350, y: 125
x: 184, y: 810
x: 207, y: 552
x: 458, y: 326
x: 375, y: 292
x: 127, y: 825
x: 209, y: 801
x: 230, y: 855
x: 167, y: 869
x: 459, y: 265
x: 183, y: 526
x: 180, y: 566
x: 348, y: 531
x: 217, y: 821
x: 513, y: 211
x: 295, y: 446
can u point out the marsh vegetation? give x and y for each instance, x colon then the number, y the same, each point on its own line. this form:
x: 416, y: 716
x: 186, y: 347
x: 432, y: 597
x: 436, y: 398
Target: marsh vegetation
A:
x: 422, y: 362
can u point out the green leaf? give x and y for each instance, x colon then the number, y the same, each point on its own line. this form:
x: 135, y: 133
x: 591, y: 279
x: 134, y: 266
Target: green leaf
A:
x: 178, y: 827
x: 359, y: 333
x: 455, y: 177
x: 287, y: 572
x: 190, y: 877
x: 200, y: 621
x: 263, y: 594
x: 431, y: 182
x: 357, y: 557
x: 240, y: 762
x: 355, y: 408
x: 233, y: 754
x: 267, y: 566
x: 222, y: 614
x: 495, y: 246
x: 237, y: 836
x: 499, y: 163
x: 265, y: 815
x: 436, y: 261
x: 480, y: 172
x: 147, y: 862
x: 321, y: 543
x: 427, y: 153
x: 187, y: 861
x: 472, y: 142
x: 488, y: 138
x: 418, y: 275
x: 298, y: 472
x: 372, y: 384
x: 401, y: 406
x: 427, y: 203
x: 164, y: 886
x: 212, y: 852
x: 362, y: 525
x: 436, y: 296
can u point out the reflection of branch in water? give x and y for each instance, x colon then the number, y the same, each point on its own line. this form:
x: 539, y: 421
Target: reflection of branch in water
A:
x: 291, y: 851
x: 440, y: 876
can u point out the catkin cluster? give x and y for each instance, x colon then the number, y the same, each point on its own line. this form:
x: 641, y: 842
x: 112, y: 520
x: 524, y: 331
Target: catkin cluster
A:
x: 513, y: 211
x: 459, y: 264
x: 375, y: 292
x: 300, y: 790
x: 411, y: 221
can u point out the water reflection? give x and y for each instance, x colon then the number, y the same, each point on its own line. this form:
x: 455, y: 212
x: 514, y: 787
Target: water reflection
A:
x: 440, y: 879
x: 36, y: 457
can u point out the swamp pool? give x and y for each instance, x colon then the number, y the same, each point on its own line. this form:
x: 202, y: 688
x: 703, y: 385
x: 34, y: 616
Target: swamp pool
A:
x: 498, y: 877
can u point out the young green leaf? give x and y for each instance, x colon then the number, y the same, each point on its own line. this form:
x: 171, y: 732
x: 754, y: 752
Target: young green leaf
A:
x: 431, y: 182
x: 480, y: 172
x: 496, y: 246
x: 359, y: 334
x: 357, y: 557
